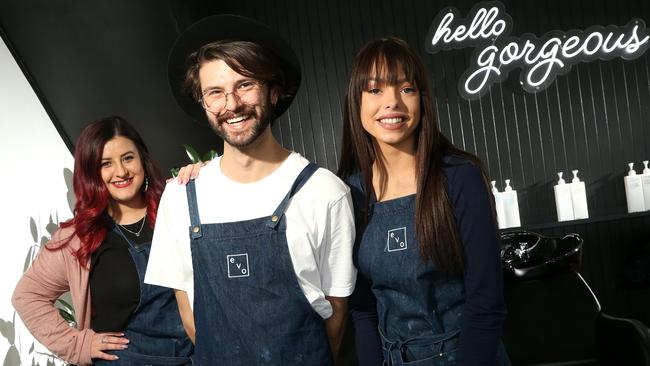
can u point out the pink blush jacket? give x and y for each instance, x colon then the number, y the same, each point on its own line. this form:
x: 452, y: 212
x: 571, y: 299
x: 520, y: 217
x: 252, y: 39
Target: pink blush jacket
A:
x: 52, y: 274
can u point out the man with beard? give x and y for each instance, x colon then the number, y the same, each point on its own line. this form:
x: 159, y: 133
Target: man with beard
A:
x: 259, y: 247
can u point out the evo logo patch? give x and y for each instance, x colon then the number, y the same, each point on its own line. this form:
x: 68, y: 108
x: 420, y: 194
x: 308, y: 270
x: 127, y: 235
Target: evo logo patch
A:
x: 238, y: 265
x: 396, y: 239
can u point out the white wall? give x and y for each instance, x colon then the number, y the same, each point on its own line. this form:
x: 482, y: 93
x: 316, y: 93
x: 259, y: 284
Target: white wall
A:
x: 35, y: 169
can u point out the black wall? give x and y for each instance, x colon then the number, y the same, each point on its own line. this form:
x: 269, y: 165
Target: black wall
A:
x: 594, y: 119
x: 91, y: 59
x: 591, y: 119
x: 97, y: 58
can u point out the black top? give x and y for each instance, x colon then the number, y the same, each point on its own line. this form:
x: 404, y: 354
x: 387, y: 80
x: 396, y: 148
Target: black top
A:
x: 114, y: 282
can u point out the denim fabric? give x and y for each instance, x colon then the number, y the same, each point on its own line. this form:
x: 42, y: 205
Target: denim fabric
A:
x: 248, y: 306
x: 419, y: 308
x: 155, y: 330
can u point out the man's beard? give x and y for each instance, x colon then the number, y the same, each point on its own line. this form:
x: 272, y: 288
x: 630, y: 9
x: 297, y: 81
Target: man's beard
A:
x: 248, y: 136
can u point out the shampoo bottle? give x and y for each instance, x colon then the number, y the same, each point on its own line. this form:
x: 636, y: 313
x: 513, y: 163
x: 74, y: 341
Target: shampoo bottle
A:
x: 579, y: 197
x: 645, y: 182
x: 633, y: 191
x: 511, y: 206
x: 563, y: 202
x: 498, y: 206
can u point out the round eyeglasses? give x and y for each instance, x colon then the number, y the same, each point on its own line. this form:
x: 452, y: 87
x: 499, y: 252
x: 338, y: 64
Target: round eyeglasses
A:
x: 214, y: 100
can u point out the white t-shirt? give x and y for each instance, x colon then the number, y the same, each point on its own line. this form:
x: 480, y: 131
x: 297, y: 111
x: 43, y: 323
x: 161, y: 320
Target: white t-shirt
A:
x: 320, y: 227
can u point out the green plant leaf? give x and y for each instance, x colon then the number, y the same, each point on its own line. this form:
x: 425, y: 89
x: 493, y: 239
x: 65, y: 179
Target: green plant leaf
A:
x: 28, y: 259
x: 12, y: 358
x: 66, y: 305
x: 192, y: 154
x: 51, y: 226
x: 66, y: 310
x: 8, y: 330
x: 33, y: 229
x: 210, y: 155
x: 67, y: 317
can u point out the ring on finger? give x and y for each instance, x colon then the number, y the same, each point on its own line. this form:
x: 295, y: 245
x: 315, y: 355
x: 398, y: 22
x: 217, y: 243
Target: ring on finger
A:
x: 104, y: 339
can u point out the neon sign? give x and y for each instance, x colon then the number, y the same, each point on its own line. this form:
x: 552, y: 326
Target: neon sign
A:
x: 488, y: 27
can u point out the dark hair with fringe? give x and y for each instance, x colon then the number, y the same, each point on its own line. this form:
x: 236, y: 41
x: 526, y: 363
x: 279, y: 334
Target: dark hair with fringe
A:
x: 92, y: 196
x: 435, y: 223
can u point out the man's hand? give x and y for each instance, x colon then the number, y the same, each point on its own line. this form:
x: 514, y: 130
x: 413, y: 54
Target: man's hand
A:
x: 187, y: 316
x: 334, y: 325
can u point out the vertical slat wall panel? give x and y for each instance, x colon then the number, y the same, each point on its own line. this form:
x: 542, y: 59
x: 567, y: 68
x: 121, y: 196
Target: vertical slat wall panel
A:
x: 596, y: 118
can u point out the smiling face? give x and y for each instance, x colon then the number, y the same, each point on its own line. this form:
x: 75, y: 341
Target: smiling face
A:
x: 390, y: 112
x: 247, y: 108
x: 122, y: 172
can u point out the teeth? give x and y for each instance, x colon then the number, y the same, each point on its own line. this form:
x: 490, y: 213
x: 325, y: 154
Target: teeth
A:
x: 122, y: 182
x: 391, y: 120
x: 236, y: 119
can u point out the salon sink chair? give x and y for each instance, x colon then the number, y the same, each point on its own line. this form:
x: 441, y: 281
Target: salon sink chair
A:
x: 528, y: 255
x: 554, y: 318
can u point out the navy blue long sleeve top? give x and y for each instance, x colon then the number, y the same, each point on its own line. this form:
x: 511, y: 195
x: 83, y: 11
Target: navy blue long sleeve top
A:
x: 484, y: 310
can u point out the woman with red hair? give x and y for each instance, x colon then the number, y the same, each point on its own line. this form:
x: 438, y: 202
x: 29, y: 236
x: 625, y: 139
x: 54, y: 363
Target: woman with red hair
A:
x: 101, y: 254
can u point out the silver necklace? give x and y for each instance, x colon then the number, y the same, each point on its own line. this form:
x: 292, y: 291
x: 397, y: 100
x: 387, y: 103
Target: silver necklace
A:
x: 136, y: 233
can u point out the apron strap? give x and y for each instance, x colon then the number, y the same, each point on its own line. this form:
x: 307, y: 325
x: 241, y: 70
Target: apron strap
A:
x: 300, y: 181
x: 193, y: 208
x: 359, y: 194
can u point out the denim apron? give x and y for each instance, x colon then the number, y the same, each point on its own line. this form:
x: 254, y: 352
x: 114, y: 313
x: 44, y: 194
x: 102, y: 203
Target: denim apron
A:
x: 419, y: 307
x: 248, y: 306
x: 154, y: 330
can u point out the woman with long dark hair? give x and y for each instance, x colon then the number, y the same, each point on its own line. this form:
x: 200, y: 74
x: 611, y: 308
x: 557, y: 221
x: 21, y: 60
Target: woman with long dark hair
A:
x: 101, y: 254
x: 427, y: 246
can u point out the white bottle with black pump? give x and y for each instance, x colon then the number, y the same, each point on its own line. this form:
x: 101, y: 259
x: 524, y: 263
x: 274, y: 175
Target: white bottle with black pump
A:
x: 633, y: 191
x: 498, y: 206
x: 563, y: 202
x: 511, y: 206
x: 579, y: 197
x: 645, y: 182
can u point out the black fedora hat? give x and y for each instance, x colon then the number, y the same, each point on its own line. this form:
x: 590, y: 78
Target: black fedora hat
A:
x: 234, y: 28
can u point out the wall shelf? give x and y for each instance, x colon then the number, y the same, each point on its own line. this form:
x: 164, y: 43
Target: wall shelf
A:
x: 551, y: 225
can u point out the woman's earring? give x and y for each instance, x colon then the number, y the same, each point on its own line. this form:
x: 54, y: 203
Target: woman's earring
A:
x: 146, y: 184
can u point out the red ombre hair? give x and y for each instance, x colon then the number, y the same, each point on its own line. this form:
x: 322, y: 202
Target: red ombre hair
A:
x: 90, y: 211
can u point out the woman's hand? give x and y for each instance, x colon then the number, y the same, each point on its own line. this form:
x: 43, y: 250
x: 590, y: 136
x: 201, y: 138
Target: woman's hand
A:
x: 107, y: 341
x: 188, y: 172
